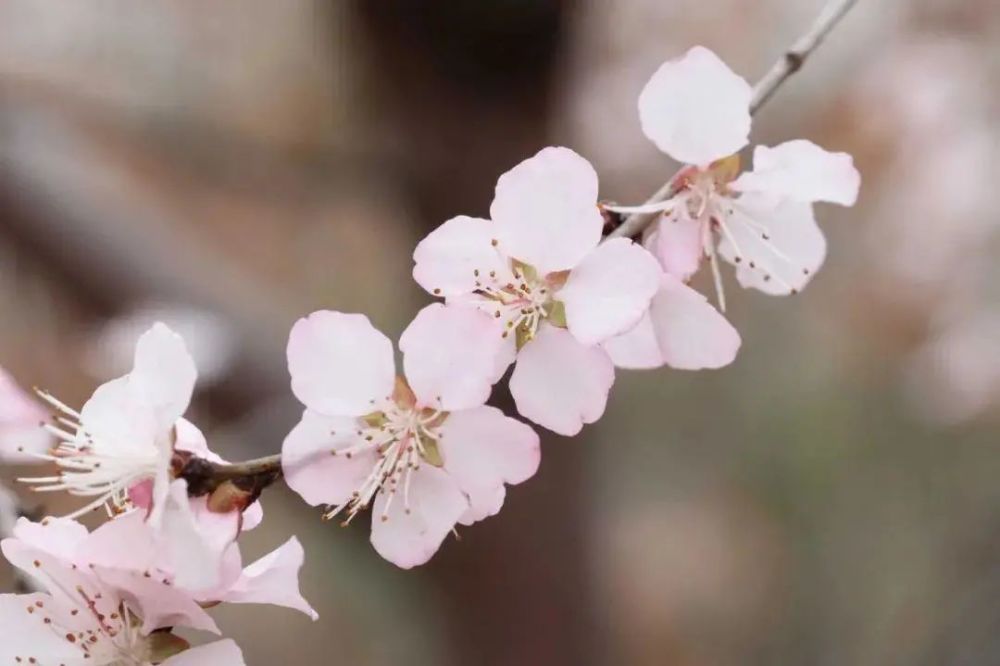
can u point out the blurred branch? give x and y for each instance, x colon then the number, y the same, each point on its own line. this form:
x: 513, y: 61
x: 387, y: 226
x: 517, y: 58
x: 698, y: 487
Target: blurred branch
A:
x: 790, y: 62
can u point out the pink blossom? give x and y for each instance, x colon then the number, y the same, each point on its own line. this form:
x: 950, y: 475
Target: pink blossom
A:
x: 124, y: 434
x: 423, y: 450
x: 21, y: 433
x: 681, y: 330
x: 555, y: 291
x: 697, y: 110
x: 94, y: 615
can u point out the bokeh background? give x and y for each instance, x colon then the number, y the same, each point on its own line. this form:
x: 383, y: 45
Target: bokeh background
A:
x: 831, y: 498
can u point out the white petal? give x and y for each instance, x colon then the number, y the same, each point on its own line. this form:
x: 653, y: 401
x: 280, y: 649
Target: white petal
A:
x: 559, y: 383
x: 408, y: 539
x: 784, y: 262
x: 273, y: 579
x: 802, y: 171
x: 164, y: 374
x: 450, y: 356
x: 340, y: 364
x: 446, y: 261
x: 545, y: 210
x: 692, y: 335
x: 115, y: 422
x: 609, y: 290
x: 311, y: 469
x: 483, y: 449
x: 219, y: 653
x: 695, y: 108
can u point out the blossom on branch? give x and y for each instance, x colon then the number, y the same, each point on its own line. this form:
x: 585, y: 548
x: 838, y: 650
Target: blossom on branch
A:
x: 538, y: 267
x: 423, y: 450
x: 696, y: 110
x: 94, y: 615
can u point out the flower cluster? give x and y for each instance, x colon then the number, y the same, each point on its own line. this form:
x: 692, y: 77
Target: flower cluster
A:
x: 535, y: 287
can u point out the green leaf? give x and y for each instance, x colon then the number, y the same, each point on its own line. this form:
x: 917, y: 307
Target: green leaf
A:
x: 522, y: 336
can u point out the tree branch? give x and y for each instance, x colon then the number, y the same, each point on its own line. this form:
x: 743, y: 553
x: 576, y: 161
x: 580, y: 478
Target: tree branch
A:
x: 252, y: 476
x: 790, y: 62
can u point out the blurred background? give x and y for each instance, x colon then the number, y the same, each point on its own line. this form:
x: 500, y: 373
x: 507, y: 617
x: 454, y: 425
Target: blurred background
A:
x: 831, y: 498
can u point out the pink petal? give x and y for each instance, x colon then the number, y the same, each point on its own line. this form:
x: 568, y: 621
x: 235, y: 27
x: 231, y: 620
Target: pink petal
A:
x: 692, y: 335
x: 484, y: 505
x: 784, y: 262
x: 158, y: 604
x: 195, y: 539
x: 678, y: 244
x: 219, y: 653
x: 483, y: 449
x: 188, y: 437
x: 253, y: 516
x: 802, y: 171
x: 310, y: 467
x: 26, y: 635
x: 164, y: 374
x: 609, y: 290
x: 559, y: 383
x: 637, y: 348
x: 545, y: 210
x: 20, y: 417
x: 339, y: 363
x: 695, y: 109
x: 450, y: 356
x: 410, y: 539
x: 273, y: 579
x: 446, y: 261
x: 60, y: 537
x: 126, y: 542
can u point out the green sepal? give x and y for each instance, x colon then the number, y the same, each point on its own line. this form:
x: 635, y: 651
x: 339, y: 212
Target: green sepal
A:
x: 555, y: 313
x: 431, y: 452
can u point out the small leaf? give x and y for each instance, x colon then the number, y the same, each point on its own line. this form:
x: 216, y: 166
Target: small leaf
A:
x: 375, y: 419
x: 402, y: 394
x: 528, y: 272
x: 431, y: 453
x: 726, y: 169
x: 556, y: 313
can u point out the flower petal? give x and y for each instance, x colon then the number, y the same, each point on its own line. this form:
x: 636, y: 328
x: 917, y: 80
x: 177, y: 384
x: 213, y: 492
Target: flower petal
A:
x: 560, y: 383
x: 637, y: 348
x: 446, y: 261
x: 695, y: 108
x: 678, y: 244
x: 26, y: 636
x: 164, y: 374
x: 116, y: 422
x: 311, y: 469
x: 802, y: 171
x: 408, y: 539
x: 273, y: 579
x: 450, y: 356
x: 483, y: 449
x: 608, y: 292
x: 219, y: 653
x: 545, y: 210
x: 692, y: 334
x: 784, y: 261
x: 339, y: 363
x: 195, y: 539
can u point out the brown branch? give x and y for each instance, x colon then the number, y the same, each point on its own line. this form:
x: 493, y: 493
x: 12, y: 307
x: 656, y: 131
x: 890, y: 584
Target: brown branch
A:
x: 790, y: 62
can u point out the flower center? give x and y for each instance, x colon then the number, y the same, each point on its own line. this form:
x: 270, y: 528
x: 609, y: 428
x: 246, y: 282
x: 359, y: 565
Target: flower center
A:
x: 402, y: 436
x: 89, y: 466
x: 104, y: 630
x: 523, y: 302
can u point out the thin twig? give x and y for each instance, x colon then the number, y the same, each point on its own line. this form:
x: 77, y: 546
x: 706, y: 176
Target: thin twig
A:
x: 790, y: 62
x: 206, y: 476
